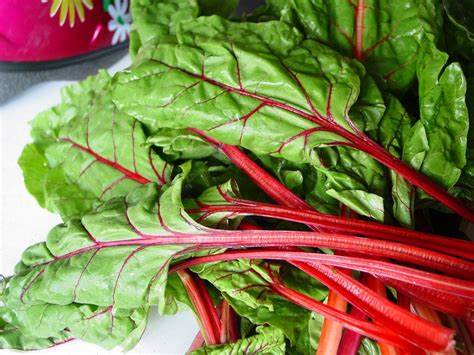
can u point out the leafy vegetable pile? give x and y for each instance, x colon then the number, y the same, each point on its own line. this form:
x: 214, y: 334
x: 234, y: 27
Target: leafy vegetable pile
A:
x: 282, y: 173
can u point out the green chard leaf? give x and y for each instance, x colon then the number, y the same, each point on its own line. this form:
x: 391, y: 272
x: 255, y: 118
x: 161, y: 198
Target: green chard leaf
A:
x: 153, y: 20
x: 12, y: 336
x: 201, y: 103
x: 88, y: 276
x: 221, y: 104
x: 394, y: 131
x: 103, y: 326
x: 437, y: 142
x: 267, y: 340
x: 85, y: 152
x: 385, y: 35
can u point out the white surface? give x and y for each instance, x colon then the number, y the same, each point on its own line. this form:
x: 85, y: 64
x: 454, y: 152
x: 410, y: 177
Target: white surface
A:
x: 23, y: 222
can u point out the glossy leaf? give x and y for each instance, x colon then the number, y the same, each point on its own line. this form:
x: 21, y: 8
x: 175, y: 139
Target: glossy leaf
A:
x: 165, y: 77
x: 208, y: 78
x: 437, y: 142
x: 12, y: 338
x: 280, y: 133
x: 385, y: 35
x: 153, y: 20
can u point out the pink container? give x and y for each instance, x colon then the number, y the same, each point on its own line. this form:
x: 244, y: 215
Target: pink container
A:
x: 45, y: 32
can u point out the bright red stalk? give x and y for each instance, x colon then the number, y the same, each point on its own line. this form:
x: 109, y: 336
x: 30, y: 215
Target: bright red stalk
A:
x: 205, y: 310
x: 369, y: 304
x: 456, y: 306
x: 264, y: 238
x: 401, y: 252
x: 281, y: 194
x: 451, y: 287
x: 434, y: 285
x: 380, y: 309
x: 331, y: 331
x: 427, y: 313
x: 446, y: 245
x: 377, y: 286
x: 415, y: 178
x: 229, y: 239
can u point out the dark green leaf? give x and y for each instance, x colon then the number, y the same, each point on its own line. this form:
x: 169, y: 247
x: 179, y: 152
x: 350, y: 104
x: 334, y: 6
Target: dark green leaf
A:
x: 268, y: 340
x: 385, y: 35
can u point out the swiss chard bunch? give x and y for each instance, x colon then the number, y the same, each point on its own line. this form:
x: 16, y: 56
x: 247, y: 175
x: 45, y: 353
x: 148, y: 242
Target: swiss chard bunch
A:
x: 275, y: 172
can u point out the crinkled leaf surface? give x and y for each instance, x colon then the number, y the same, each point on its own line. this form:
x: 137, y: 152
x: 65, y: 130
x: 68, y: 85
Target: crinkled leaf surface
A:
x: 86, y: 152
x: 284, y: 96
x: 180, y: 144
x: 49, y: 324
x: 267, y: 340
x: 97, y: 272
x: 153, y: 20
x: 51, y: 187
x: 12, y: 338
x: 437, y: 142
x: 354, y: 179
x: 385, y: 35
x: 220, y: 87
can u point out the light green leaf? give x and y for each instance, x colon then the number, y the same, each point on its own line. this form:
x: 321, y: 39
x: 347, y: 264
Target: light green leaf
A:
x: 361, y: 202
x: 153, y: 20
x: 86, y: 267
x: 13, y: 338
x: 85, y: 152
x: 177, y: 97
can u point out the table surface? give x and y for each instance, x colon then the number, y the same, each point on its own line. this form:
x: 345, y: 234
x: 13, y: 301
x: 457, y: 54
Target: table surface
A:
x: 23, y: 222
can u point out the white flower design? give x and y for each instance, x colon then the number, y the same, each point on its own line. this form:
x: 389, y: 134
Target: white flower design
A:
x: 120, y: 22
